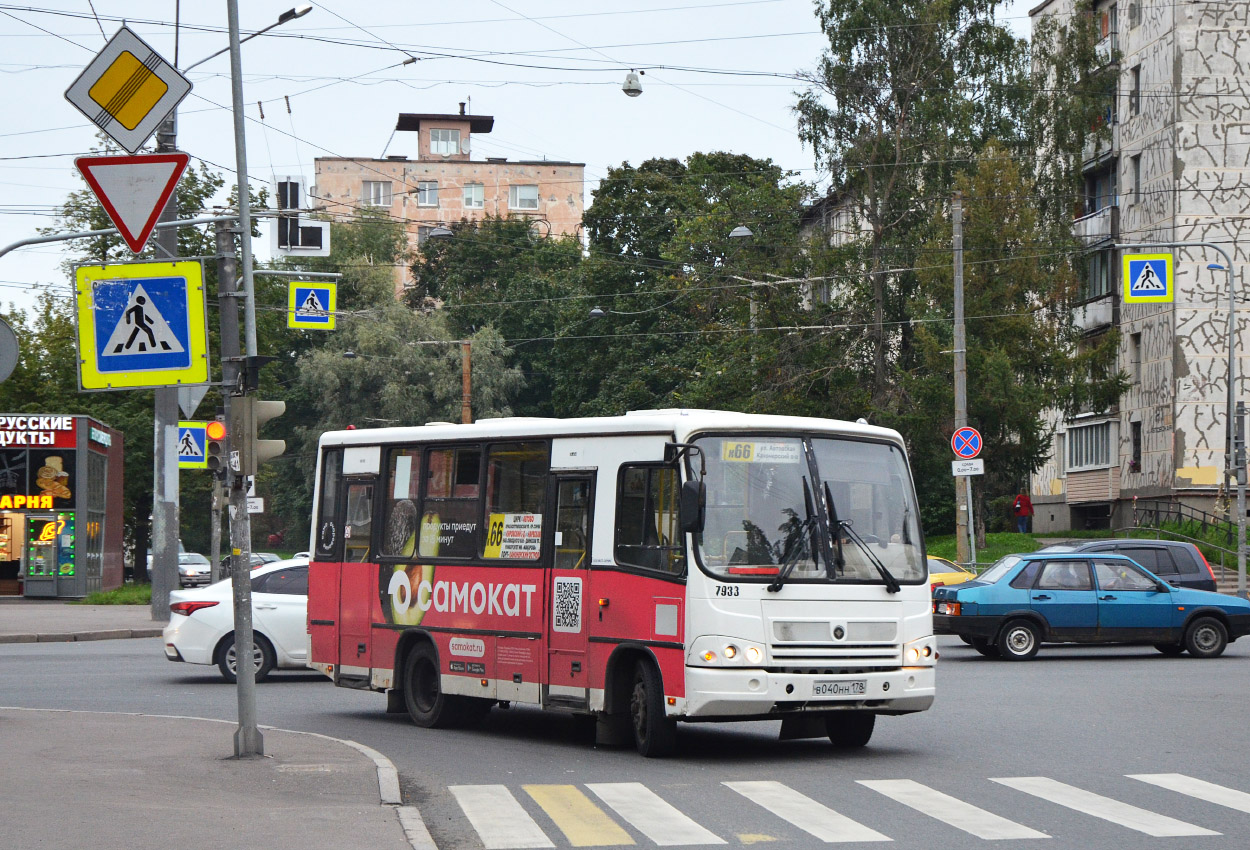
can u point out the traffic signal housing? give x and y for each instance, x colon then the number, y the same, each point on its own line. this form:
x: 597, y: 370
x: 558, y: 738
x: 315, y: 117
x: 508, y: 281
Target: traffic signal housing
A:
x: 215, y: 433
x: 247, y: 414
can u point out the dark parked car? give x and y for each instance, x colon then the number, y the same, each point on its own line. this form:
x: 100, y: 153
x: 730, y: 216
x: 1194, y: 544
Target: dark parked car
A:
x: 1174, y: 561
x: 1084, y: 597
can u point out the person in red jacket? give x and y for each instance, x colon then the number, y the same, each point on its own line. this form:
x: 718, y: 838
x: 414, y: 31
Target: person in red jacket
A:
x: 1023, y: 509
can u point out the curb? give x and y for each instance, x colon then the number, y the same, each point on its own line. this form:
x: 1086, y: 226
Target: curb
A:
x: 389, y: 795
x: 68, y: 637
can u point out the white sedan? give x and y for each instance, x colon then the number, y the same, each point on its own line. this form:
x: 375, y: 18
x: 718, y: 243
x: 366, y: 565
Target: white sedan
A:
x: 201, y: 622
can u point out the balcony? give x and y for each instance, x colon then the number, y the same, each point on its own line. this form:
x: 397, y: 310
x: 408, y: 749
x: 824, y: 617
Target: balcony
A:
x: 1095, y: 314
x: 1099, y: 228
x: 1107, y: 48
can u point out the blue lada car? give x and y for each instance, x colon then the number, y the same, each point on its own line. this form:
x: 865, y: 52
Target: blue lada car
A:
x: 1024, y: 601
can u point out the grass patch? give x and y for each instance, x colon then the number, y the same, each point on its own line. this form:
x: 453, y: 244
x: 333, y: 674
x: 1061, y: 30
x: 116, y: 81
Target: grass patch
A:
x: 127, y: 594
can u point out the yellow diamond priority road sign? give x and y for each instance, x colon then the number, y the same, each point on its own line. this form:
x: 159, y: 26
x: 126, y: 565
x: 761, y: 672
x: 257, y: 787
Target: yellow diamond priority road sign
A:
x: 128, y: 90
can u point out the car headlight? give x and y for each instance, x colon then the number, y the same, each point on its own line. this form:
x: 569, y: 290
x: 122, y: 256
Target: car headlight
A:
x: 920, y: 653
x: 716, y: 651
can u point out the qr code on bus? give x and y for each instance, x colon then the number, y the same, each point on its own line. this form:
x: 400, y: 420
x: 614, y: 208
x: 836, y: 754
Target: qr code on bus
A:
x: 566, y: 610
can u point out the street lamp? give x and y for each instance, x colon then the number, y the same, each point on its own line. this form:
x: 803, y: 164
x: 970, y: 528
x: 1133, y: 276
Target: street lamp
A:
x: 288, y: 15
x: 633, y: 85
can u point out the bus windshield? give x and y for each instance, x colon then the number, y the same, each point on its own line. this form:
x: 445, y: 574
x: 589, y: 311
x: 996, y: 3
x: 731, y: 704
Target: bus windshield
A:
x: 764, y: 494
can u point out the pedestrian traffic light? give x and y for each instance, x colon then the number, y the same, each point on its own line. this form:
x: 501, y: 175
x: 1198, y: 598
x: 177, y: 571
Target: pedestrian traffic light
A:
x: 215, y: 445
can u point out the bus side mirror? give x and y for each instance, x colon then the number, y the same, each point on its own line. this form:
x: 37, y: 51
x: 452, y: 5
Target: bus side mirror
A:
x: 693, y: 499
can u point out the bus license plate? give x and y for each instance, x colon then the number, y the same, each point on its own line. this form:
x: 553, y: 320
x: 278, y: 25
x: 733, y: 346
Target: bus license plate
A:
x: 840, y: 689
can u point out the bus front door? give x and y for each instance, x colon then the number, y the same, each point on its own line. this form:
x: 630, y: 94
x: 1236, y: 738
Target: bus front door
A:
x: 567, y: 677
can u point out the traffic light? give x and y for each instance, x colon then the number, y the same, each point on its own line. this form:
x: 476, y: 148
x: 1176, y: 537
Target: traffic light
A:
x: 247, y: 414
x: 215, y: 445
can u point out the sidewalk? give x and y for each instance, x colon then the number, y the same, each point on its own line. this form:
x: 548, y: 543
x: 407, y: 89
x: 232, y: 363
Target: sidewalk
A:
x: 30, y: 620
x: 142, y: 782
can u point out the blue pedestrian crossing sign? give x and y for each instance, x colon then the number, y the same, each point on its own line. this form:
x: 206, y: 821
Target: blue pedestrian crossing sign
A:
x: 141, y: 325
x: 192, y: 442
x: 311, y: 306
x: 1148, y: 279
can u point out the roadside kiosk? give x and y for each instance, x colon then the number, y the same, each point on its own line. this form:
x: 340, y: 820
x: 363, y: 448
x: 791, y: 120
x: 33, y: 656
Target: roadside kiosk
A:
x: 60, y: 506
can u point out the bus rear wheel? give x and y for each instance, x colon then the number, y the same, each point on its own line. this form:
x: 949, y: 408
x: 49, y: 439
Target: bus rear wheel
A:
x: 427, y: 705
x: 655, y: 734
x: 849, y: 730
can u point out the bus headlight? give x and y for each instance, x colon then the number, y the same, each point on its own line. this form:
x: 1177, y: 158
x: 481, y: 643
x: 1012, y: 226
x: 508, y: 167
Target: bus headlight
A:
x: 714, y: 651
x: 920, y: 653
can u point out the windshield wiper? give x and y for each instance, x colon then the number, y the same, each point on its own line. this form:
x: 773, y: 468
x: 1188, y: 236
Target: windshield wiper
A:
x: 794, y: 552
x: 838, y: 560
x: 891, y: 583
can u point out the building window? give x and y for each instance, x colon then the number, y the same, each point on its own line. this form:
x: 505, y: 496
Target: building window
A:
x: 444, y: 142
x: 427, y: 193
x: 1136, y: 162
x: 474, y: 196
x: 1135, y: 462
x: 377, y: 193
x: 523, y: 197
x: 1089, y: 447
x: 1134, y: 357
x: 1061, y: 441
x: 1100, y: 190
x: 1134, y: 15
x: 1098, y: 278
x: 1134, y: 91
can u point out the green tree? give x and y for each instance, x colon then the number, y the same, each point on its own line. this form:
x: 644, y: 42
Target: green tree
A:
x: 1025, y: 358
x: 905, y: 91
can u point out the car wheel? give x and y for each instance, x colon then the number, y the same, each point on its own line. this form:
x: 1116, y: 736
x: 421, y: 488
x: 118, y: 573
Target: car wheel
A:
x: 1206, y: 637
x: 984, y: 647
x: 262, y: 654
x: 655, y: 734
x: 427, y: 705
x: 1170, y: 649
x: 849, y: 730
x: 1019, y: 640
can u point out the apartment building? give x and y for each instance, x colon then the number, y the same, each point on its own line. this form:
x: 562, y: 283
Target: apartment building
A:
x: 438, y: 182
x: 1175, y: 169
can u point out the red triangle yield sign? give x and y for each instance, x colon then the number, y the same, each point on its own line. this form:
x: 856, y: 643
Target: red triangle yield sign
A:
x: 133, y: 189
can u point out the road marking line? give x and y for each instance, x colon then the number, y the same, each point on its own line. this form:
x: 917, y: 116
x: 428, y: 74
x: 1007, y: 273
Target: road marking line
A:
x: 1199, y: 788
x: 650, y: 815
x: 950, y: 810
x: 583, y: 823
x: 498, y: 818
x: 804, y: 812
x: 1095, y: 805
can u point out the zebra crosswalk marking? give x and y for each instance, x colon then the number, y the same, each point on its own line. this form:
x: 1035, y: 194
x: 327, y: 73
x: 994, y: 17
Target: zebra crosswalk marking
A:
x: 805, y: 813
x: 583, y: 823
x: 650, y: 815
x: 1209, y: 791
x: 500, y: 821
x: 1096, y: 805
x: 950, y: 810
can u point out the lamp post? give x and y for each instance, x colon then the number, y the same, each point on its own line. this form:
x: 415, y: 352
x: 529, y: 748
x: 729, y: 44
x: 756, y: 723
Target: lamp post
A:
x: 1234, y: 459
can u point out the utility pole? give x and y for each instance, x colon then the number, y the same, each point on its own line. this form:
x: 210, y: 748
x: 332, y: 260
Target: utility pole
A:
x: 228, y: 313
x: 165, y: 531
x: 466, y: 409
x: 965, y: 529
x: 247, y: 738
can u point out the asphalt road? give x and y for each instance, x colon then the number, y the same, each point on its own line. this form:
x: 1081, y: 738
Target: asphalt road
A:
x: 1043, y: 750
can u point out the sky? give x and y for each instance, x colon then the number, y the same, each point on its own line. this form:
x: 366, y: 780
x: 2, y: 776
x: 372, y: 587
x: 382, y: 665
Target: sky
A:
x: 331, y: 83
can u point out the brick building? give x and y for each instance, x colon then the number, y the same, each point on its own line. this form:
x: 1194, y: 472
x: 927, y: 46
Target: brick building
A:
x: 440, y: 183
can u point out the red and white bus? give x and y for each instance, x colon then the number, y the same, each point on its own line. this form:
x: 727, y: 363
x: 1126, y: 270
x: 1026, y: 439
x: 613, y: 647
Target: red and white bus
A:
x: 661, y: 566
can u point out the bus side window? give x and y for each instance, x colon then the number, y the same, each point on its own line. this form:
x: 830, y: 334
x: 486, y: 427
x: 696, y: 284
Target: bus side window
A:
x: 516, y: 488
x: 647, y: 532
x: 451, y: 506
x: 400, y: 539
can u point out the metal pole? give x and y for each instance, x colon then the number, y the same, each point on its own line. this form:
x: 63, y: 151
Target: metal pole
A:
x: 1232, y: 459
x: 963, y: 495
x: 247, y: 738
x: 165, y: 414
x: 466, y: 408
x: 1241, y: 499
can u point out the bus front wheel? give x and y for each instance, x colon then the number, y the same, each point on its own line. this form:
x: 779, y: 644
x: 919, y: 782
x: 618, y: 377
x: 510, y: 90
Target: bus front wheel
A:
x: 655, y: 734
x: 427, y: 705
x: 849, y: 730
